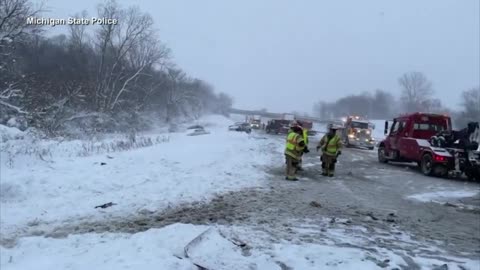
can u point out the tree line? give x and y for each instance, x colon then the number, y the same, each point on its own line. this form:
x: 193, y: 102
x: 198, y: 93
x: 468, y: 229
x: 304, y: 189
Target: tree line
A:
x: 107, y: 79
x: 416, y: 94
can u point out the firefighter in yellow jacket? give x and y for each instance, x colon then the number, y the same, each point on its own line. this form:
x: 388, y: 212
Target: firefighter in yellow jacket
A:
x: 331, y: 147
x: 304, y: 133
x: 293, y: 152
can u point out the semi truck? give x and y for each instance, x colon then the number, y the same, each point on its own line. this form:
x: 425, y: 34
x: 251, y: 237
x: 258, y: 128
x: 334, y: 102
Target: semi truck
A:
x: 357, y: 131
x: 254, y: 121
x: 429, y: 140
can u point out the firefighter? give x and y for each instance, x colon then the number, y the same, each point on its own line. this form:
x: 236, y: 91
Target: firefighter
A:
x: 293, y: 152
x: 305, y: 140
x: 331, y: 146
x: 304, y: 133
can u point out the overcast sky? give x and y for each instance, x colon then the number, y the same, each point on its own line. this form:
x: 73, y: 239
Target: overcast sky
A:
x: 286, y: 55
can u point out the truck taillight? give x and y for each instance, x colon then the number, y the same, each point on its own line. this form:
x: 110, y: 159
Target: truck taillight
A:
x: 440, y: 158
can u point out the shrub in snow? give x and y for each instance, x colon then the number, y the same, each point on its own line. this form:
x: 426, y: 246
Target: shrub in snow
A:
x: 128, y: 143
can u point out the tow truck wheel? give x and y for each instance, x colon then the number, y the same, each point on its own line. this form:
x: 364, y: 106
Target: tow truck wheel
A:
x: 427, y: 165
x: 381, y: 155
x: 473, y: 175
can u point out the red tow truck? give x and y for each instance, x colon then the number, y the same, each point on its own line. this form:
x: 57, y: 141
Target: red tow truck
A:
x: 414, y: 138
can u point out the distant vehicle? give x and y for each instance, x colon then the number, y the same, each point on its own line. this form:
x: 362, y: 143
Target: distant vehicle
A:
x: 309, y: 126
x: 357, y: 132
x: 288, y: 116
x: 255, y: 124
x: 240, y: 126
x: 278, y: 126
x: 428, y: 140
x: 254, y: 121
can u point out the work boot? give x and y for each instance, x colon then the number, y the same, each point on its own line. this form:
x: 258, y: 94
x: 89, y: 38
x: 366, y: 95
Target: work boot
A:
x: 330, y: 175
x: 291, y: 178
x: 299, y: 169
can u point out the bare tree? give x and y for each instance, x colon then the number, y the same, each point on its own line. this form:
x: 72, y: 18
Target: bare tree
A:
x: 225, y: 103
x: 175, y: 95
x: 433, y: 105
x: 13, y: 26
x: 416, y: 90
x: 13, y: 19
x: 471, y: 105
x: 127, y: 50
x: 78, y: 34
x: 98, y: 82
x: 382, y: 105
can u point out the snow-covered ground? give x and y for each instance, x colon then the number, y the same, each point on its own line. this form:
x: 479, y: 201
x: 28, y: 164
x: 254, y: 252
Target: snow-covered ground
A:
x: 182, y: 169
x: 443, y: 195
x: 166, y: 249
x: 185, y: 246
x: 452, y: 197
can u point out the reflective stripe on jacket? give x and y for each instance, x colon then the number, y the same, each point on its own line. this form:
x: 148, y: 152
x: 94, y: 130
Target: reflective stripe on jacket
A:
x: 331, y: 146
x: 293, y: 147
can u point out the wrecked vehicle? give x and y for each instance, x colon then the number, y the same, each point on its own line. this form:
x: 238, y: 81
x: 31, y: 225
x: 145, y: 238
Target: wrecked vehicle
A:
x: 240, y: 126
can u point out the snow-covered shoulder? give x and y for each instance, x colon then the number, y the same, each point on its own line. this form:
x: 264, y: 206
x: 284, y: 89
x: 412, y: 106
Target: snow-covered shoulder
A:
x: 182, y: 169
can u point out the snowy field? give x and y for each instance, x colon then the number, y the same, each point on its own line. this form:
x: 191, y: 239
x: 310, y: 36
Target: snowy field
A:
x: 182, y: 169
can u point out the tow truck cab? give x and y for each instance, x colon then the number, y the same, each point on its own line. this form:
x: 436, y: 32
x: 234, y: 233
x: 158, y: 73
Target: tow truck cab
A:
x: 409, y: 135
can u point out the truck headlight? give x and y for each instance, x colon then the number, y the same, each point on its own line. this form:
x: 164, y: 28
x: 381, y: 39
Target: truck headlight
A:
x: 367, y: 132
x: 351, y: 136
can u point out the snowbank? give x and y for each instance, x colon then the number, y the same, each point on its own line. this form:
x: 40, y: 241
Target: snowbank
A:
x: 443, y: 196
x: 10, y: 133
x: 181, y: 246
x: 183, y: 169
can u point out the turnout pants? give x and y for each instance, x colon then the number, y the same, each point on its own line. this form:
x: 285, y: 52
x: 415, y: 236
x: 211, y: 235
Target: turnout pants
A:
x: 299, y: 162
x: 328, y: 164
x: 291, y: 168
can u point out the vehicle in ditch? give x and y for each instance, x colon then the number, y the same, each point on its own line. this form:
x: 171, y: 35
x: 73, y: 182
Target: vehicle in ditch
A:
x: 240, y: 126
x: 429, y: 140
